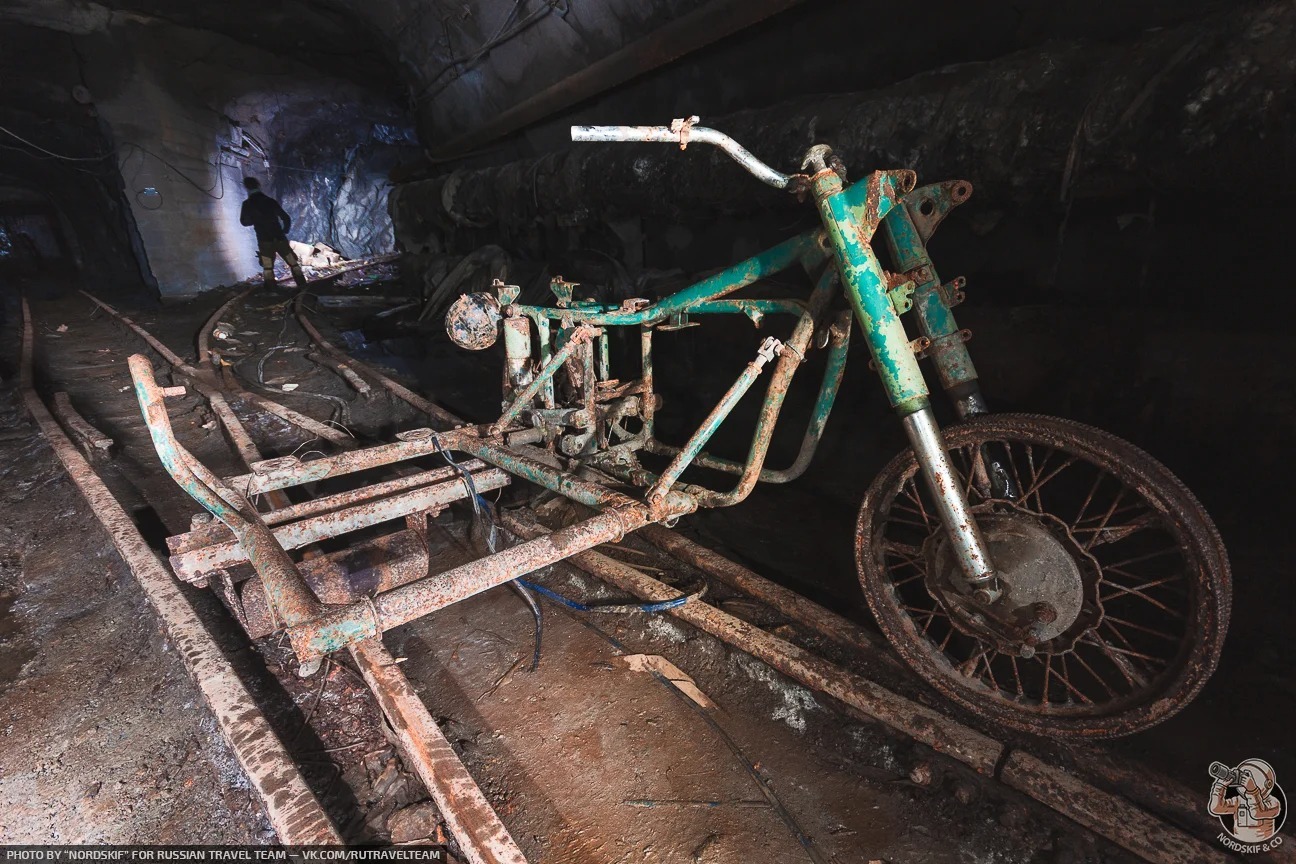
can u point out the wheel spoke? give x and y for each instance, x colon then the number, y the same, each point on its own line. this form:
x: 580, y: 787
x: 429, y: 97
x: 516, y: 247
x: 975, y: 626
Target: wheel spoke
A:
x: 1114, y: 676
x: 1088, y: 498
x: 944, y: 642
x: 898, y: 521
x: 990, y: 669
x: 908, y: 550
x: 1164, y: 580
x: 1016, y: 675
x: 917, y: 499
x: 1110, y: 692
x: 1126, y: 667
x: 1120, y: 511
x: 1040, y: 483
x: 1170, y: 550
x: 1115, y: 534
x: 1113, y: 620
x: 1131, y: 653
x: 969, y: 666
x: 1065, y: 678
x: 1134, y: 592
x: 907, y: 580
x: 1012, y: 462
x: 1106, y: 517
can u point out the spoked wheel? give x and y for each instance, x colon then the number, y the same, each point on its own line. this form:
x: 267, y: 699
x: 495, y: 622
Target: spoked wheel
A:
x: 1115, y: 583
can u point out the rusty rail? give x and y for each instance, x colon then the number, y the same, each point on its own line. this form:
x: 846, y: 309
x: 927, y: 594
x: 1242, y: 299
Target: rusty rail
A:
x: 434, y: 412
x: 210, y: 384
x: 788, y: 602
x: 328, y: 354
x: 917, y: 721
x: 90, y: 438
x: 469, y: 816
x: 289, y: 804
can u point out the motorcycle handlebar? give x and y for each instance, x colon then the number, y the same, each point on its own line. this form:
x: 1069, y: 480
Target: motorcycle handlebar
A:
x: 684, y: 133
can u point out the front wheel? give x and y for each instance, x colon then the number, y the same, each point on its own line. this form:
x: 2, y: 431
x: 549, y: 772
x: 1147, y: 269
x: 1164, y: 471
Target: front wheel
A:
x: 1115, y: 586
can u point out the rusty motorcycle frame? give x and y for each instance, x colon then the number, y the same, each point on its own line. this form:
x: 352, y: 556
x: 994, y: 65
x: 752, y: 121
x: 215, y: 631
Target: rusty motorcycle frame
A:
x: 1041, y: 573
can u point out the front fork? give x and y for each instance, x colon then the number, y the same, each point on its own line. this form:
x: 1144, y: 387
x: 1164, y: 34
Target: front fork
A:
x: 908, y: 227
x: 851, y: 217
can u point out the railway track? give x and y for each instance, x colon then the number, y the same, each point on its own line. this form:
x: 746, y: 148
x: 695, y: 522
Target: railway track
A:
x: 1128, y: 805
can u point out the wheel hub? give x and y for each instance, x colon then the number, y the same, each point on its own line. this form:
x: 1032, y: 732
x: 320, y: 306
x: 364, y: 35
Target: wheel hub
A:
x: 1047, y: 600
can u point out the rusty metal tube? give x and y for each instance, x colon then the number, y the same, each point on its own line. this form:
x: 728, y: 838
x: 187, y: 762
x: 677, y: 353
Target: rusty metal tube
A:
x: 338, y: 628
x: 195, y: 564
x: 1105, y: 814
x: 834, y: 371
x: 288, y: 471
x: 789, y: 360
x: 684, y: 133
x: 649, y: 410
x: 291, y: 807
x: 89, y: 437
x: 518, y: 463
x: 234, y: 429
x: 524, y: 397
x: 291, y: 599
x: 711, y: 423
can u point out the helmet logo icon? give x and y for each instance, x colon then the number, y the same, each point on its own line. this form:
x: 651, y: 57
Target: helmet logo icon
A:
x: 1249, y: 803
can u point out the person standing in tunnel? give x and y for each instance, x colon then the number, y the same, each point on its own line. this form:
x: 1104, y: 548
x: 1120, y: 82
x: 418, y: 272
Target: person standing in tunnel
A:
x: 271, y: 223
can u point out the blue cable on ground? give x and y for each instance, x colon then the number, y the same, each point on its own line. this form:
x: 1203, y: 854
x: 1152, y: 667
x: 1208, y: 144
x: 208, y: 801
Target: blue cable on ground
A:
x: 659, y: 606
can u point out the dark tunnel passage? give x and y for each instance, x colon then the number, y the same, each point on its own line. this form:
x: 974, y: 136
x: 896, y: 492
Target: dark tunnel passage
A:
x: 1125, y: 258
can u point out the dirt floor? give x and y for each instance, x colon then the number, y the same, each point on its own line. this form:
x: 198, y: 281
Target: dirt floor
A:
x: 103, y: 738
x: 586, y: 759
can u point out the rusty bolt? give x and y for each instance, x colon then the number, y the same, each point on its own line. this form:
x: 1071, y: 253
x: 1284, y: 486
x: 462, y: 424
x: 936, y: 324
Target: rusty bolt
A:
x: 1026, y: 652
x: 1044, y: 613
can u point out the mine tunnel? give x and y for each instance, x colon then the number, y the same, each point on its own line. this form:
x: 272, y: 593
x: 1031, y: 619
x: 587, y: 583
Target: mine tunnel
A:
x: 676, y: 431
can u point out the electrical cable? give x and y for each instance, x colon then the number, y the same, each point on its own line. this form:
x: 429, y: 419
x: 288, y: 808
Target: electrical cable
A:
x: 220, y: 171
x: 51, y: 153
x: 482, y: 512
x: 576, y: 605
x: 490, y: 44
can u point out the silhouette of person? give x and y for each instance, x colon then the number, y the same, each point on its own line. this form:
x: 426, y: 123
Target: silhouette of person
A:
x: 1255, y: 810
x: 271, y: 224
